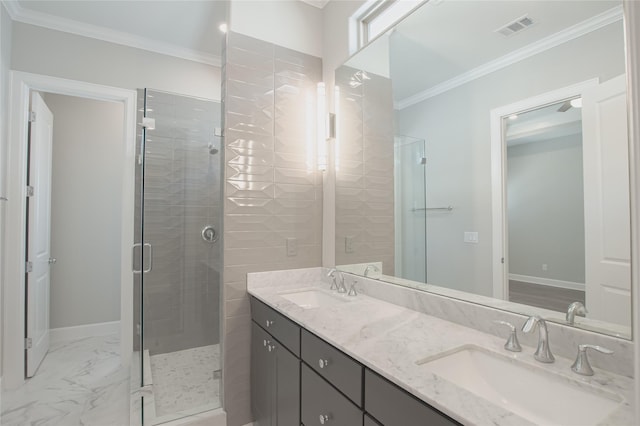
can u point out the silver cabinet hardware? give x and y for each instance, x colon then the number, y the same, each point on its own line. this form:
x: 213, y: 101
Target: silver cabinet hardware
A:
x: 322, y: 363
x: 271, y: 347
x: 576, y: 308
x: 52, y: 261
x: 266, y: 342
x: 512, y: 342
x: 209, y: 234
x: 543, y: 352
x: 581, y: 364
x: 269, y: 323
x: 324, y: 419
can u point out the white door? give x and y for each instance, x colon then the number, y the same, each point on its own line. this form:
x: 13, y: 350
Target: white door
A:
x: 38, y: 233
x: 606, y: 202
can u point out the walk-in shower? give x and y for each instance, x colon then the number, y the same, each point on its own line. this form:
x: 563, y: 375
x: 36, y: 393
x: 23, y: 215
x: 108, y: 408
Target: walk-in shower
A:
x: 177, y: 258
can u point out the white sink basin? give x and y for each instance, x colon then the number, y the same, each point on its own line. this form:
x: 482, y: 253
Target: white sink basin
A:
x: 537, y: 395
x: 310, y: 299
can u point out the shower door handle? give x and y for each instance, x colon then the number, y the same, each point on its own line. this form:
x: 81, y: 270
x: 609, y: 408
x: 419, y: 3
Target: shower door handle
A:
x: 150, y: 257
x: 133, y: 258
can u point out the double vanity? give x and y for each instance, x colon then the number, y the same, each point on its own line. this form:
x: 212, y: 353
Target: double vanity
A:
x: 323, y: 357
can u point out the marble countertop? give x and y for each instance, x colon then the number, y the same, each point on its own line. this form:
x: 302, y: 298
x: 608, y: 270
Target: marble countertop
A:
x: 389, y: 339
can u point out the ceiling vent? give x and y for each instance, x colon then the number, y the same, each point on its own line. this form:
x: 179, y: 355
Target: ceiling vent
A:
x: 516, y: 26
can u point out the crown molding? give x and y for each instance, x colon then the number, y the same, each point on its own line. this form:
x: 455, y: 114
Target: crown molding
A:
x: 585, y: 27
x: 33, y: 17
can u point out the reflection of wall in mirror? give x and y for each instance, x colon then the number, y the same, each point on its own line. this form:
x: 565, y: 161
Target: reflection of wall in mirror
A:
x: 456, y: 126
x: 364, y: 170
x: 545, y: 210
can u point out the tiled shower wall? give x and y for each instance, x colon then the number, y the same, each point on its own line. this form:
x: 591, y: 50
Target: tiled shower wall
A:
x: 273, y: 190
x: 364, y: 170
x: 181, y: 196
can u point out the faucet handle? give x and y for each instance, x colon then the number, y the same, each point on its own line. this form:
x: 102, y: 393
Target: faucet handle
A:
x: 352, y: 289
x: 581, y: 364
x: 512, y: 342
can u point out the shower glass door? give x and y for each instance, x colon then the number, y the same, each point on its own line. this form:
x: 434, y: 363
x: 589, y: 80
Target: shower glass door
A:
x: 178, y: 256
x: 410, y: 208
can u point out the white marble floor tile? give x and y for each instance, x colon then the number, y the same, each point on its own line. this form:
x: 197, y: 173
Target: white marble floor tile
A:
x: 80, y: 382
x: 187, y: 380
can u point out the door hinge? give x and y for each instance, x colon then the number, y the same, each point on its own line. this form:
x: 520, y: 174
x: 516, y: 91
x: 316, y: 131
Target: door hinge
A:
x: 28, y: 343
x: 502, y: 260
x: 28, y: 267
x: 30, y: 191
x: 32, y: 116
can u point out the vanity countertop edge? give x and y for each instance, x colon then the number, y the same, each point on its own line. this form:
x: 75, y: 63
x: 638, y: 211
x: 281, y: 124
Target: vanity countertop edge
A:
x: 389, y: 339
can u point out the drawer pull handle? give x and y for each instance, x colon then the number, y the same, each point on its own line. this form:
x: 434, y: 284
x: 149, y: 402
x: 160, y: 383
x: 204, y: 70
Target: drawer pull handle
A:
x: 266, y: 342
x: 324, y: 419
x: 269, y: 323
x: 271, y: 347
x: 323, y: 363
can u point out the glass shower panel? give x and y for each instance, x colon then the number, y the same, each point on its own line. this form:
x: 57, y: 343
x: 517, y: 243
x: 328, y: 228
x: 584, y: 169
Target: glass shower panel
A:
x: 410, y: 208
x: 182, y: 219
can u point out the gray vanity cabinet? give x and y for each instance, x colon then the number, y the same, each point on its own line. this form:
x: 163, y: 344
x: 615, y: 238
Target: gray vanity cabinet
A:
x: 322, y: 404
x: 392, y: 406
x: 298, y: 378
x: 275, y: 377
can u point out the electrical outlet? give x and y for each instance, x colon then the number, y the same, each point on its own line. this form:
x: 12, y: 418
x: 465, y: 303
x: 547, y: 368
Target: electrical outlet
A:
x: 292, y: 247
x: 348, y: 244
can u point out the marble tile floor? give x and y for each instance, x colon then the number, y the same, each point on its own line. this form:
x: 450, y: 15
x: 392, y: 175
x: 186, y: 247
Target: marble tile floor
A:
x: 80, y: 382
x: 186, y: 382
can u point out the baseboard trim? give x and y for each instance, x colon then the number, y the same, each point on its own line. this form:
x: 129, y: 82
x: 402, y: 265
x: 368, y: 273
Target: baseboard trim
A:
x: 548, y: 282
x: 83, y: 331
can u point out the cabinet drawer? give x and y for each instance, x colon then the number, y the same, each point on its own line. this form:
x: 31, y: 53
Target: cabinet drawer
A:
x: 319, y: 398
x: 283, y: 329
x: 339, y: 369
x: 392, y: 406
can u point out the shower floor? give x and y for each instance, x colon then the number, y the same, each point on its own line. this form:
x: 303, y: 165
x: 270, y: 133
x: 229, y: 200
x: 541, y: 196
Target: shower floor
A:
x: 187, y: 381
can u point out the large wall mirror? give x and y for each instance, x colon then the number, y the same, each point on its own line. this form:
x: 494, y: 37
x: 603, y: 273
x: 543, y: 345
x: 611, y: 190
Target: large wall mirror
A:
x: 482, y: 154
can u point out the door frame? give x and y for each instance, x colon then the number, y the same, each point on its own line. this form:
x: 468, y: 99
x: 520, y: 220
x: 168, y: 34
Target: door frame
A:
x: 499, y: 234
x: 13, y: 302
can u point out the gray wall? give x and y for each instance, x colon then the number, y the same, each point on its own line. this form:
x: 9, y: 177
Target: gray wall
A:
x: 6, y: 26
x: 270, y: 192
x: 456, y: 127
x: 545, y: 209
x: 85, y: 210
x: 364, y: 172
x: 59, y: 54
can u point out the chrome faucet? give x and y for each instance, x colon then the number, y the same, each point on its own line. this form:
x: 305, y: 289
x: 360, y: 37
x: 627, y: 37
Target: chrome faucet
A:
x: 581, y: 364
x: 512, y: 342
x: 332, y: 274
x: 543, y: 352
x: 576, y: 308
x: 338, y: 280
x: 370, y: 267
x: 352, y: 289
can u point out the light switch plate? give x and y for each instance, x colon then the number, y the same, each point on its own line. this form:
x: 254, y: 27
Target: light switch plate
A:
x: 292, y: 247
x: 348, y: 244
x: 471, y: 237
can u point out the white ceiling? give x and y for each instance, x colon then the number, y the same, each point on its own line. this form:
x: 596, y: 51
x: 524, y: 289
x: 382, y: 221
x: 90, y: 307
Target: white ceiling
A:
x: 444, y: 40
x: 183, y: 28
